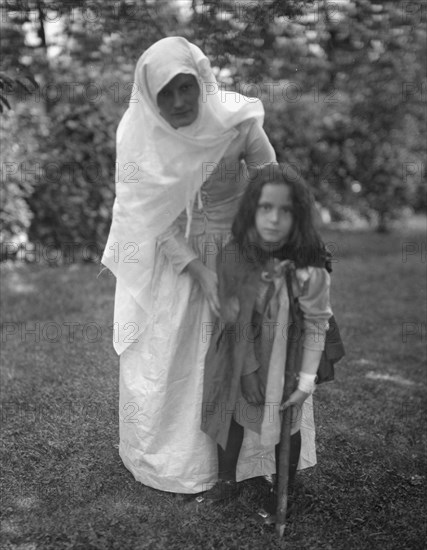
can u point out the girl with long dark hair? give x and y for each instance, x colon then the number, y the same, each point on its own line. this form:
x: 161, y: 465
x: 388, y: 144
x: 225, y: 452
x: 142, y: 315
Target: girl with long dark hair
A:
x: 274, y: 303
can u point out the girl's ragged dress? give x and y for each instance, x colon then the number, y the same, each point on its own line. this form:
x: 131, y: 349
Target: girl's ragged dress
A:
x: 254, y: 334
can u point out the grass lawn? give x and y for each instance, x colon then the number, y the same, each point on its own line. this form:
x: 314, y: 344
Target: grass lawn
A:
x: 63, y: 483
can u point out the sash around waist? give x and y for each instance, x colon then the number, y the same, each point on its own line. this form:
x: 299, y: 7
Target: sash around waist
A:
x: 215, y: 220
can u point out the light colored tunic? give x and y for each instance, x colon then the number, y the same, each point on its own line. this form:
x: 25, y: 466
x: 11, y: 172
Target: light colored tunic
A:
x: 268, y: 346
x: 161, y: 375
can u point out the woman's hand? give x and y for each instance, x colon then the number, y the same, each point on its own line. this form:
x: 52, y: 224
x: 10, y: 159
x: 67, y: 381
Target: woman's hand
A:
x: 208, y: 281
x: 253, y: 389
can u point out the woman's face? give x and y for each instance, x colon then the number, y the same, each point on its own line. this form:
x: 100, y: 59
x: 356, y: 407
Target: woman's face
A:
x: 273, y: 217
x: 178, y: 101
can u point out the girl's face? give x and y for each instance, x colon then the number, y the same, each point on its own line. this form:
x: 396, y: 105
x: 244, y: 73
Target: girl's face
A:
x: 178, y: 101
x: 273, y: 217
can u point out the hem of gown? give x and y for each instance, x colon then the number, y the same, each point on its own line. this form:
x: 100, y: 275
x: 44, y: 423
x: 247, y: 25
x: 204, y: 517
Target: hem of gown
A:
x: 267, y: 466
x: 255, y: 468
x: 246, y: 470
x: 166, y: 484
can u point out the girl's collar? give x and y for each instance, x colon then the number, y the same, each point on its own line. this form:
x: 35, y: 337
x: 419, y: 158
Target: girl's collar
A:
x: 301, y: 258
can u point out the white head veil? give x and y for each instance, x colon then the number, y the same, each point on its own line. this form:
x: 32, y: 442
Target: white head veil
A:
x: 159, y: 170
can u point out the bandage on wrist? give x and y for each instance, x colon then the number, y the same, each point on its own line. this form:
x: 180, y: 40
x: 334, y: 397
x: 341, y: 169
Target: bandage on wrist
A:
x: 307, y: 382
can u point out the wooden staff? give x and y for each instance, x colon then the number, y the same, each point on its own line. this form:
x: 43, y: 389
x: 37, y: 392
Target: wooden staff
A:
x: 285, y: 432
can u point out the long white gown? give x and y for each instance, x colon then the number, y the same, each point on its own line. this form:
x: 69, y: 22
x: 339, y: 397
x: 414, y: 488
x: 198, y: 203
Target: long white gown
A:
x: 161, y: 375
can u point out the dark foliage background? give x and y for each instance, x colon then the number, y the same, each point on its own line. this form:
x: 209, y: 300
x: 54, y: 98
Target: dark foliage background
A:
x: 343, y: 86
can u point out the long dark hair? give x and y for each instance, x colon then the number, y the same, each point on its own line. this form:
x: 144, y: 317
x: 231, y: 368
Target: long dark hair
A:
x: 304, y: 245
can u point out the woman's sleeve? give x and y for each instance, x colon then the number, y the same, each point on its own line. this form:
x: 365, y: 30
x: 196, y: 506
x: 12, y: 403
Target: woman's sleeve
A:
x: 258, y: 147
x: 174, y: 244
x: 315, y: 305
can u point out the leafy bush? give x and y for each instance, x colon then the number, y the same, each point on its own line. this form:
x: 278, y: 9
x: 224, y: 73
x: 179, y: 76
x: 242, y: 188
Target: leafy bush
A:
x: 73, y: 198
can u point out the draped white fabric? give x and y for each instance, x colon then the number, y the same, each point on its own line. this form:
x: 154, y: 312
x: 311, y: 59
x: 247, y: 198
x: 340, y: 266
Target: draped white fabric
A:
x: 160, y: 169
